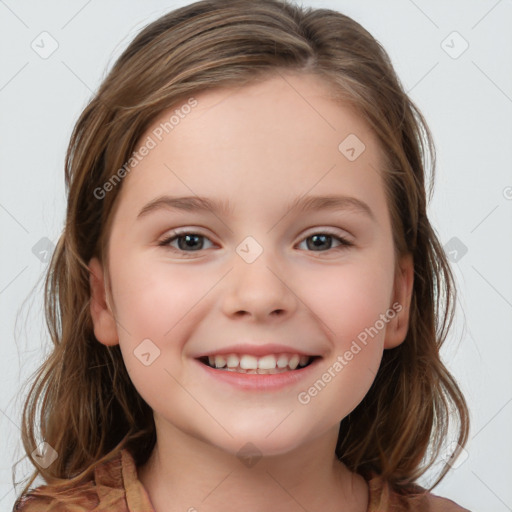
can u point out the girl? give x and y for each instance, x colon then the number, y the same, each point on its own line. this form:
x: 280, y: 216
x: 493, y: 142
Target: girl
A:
x: 288, y: 358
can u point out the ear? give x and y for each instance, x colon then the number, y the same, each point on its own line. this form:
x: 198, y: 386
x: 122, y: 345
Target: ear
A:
x: 396, y: 329
x: 103, y: 319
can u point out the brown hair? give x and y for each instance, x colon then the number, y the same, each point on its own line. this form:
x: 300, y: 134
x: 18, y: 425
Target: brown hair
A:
x: 89, y: 409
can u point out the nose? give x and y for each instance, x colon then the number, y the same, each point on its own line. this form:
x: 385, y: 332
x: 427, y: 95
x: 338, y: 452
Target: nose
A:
x: 259, y: 290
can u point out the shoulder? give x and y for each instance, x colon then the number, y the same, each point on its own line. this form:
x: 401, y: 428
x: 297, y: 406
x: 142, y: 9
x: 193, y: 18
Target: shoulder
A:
x: 382, y: 498
x: 439, y: 504
x: 105, y: 491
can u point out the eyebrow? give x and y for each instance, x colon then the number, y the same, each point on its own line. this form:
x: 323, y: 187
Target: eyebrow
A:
x: 301, y: 204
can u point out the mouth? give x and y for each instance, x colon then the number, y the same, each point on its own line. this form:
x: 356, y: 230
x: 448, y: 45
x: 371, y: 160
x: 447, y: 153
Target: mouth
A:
x: 269, y: 364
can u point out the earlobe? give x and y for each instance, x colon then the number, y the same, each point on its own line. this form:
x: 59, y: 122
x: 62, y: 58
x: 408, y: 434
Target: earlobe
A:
x: 103, y: 319
x: 396, y: 329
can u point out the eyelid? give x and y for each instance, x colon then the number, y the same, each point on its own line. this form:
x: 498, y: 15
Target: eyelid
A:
x: 343, y: 240
x: 173, y: 233
x: 339, y: 232
x: 309, y: 232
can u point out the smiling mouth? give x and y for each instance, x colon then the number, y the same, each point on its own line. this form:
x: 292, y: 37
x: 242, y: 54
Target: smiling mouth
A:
x: 266, y: 365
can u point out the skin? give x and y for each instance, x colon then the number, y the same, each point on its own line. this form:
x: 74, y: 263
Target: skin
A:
x: 259, y: 146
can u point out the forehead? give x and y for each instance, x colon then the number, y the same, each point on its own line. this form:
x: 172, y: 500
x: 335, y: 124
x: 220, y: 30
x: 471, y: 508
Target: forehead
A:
x: 278, y: 137
x: 293, y: 106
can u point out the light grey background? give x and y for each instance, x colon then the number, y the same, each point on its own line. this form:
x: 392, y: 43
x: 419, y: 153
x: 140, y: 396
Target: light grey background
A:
x: 466, y: 99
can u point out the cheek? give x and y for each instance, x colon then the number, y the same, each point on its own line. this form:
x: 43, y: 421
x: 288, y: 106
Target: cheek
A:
x: 353, y: 303
x: 153, y: 306
x: 151, y: 299
x: 157, y: 302
x: 349, y: 298
x: 165, y: 305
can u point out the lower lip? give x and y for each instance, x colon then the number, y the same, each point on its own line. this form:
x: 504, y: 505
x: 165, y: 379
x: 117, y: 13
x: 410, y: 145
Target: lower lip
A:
x: 260, y: 382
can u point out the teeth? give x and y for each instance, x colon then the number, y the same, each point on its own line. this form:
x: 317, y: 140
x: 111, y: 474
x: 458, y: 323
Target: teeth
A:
x: 232, y: 361
x: 246, y: 363
x: 267, y: 362
x: 220, y: 362
x: 293, y: 362
x: 282, y: 361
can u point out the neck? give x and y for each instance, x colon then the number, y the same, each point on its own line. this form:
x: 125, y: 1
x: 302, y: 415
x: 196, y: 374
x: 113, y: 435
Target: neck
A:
x: 188, y: 474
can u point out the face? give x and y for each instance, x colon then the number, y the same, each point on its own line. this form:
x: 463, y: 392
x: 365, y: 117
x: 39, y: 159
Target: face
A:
x: 263, y: 275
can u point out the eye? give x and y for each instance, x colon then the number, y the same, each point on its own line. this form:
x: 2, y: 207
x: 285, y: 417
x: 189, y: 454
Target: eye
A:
x: 188, y: 241
x: 323, y: 240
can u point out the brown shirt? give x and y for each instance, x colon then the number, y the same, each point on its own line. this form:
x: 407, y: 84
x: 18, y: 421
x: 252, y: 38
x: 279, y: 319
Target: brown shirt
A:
x: 116, y: 488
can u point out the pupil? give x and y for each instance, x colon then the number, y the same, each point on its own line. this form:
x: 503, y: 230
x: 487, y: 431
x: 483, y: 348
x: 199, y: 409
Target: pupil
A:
x: 316, y: 239
x: 188, y: 238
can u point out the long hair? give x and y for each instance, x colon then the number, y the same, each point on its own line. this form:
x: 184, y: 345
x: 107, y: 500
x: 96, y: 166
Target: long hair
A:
x: 82, y: 398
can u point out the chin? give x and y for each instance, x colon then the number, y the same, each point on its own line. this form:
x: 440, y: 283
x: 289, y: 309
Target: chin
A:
x: 258, y: 443
x: 250, y: 451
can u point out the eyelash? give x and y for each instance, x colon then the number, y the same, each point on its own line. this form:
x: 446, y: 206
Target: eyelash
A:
x: 344, y: 243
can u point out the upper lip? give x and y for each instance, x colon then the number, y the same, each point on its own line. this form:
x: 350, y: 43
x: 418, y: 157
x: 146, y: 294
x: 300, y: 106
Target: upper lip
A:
x: 256, y: 350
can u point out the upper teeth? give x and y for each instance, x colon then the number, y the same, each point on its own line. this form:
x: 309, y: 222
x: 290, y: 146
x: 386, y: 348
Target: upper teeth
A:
x: 249, y: 362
